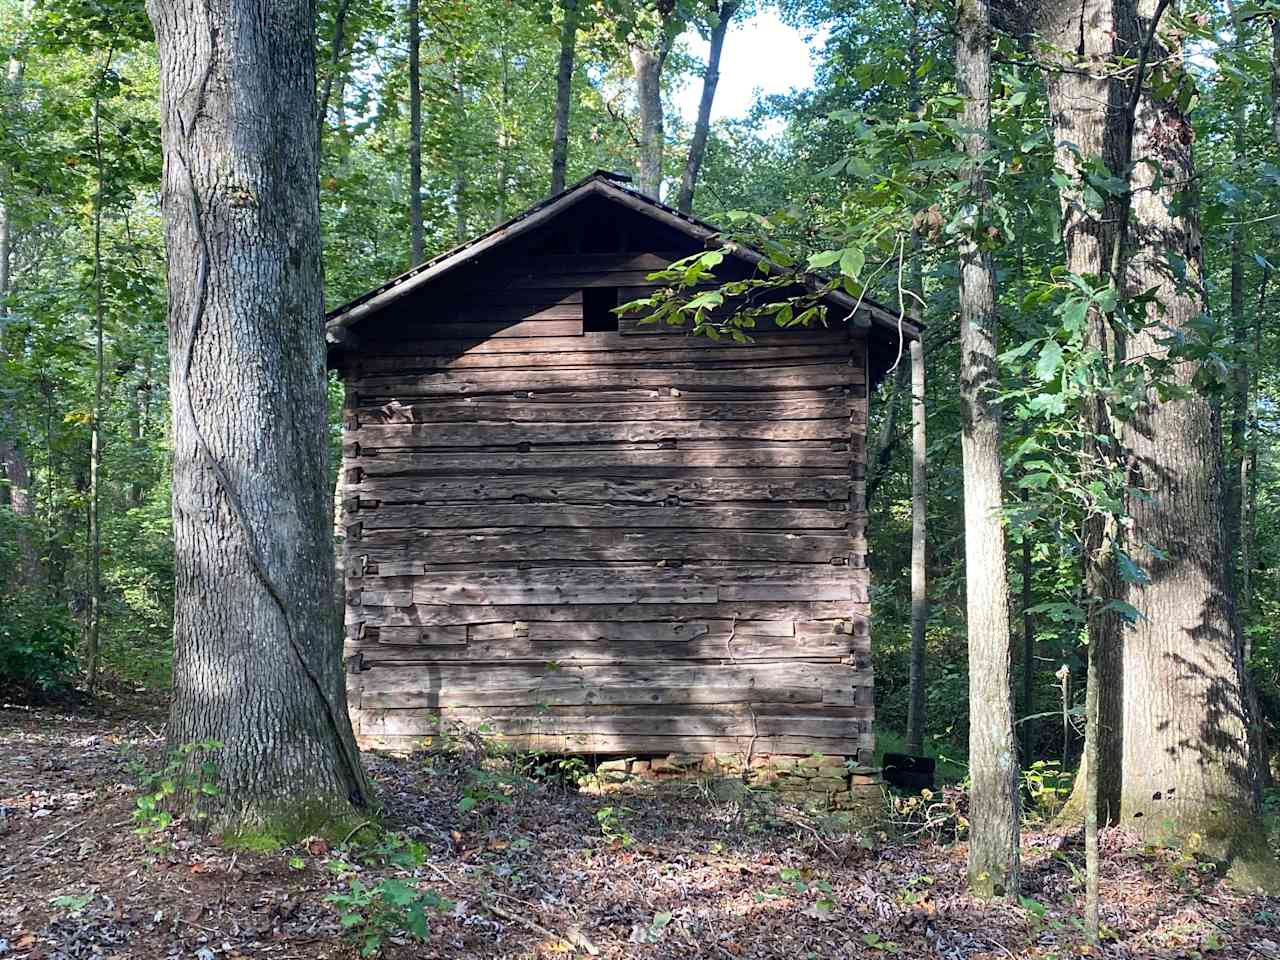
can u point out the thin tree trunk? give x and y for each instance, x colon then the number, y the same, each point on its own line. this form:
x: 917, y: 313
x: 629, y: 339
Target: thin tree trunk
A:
x: 257, y: 649
x: 887, y: 439
x: 1189, y: 763
x: 335, y: 59
x: 94, y: 622
x: 993, y: 811
x: 13, y: 458
x: 1234, y: 477
x: 702, y: 127
x: 1275, y: 79
x: 919, y: 570
x: 1028, y: 703
x: 416, y: 246
x: 564, y: 94
x: 459, y: 168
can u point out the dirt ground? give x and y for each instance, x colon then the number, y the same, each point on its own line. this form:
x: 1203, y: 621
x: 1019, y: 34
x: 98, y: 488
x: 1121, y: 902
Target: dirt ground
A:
x: 674, y: 872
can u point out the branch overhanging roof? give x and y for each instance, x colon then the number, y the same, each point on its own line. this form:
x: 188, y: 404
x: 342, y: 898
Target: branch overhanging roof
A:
x: 866, y: 314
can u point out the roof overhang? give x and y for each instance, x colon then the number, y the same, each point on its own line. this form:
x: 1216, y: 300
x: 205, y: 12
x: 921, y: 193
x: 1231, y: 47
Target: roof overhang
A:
x: 860, y: 313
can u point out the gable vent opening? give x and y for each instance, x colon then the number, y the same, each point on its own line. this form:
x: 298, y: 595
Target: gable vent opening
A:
x: 598, y: 304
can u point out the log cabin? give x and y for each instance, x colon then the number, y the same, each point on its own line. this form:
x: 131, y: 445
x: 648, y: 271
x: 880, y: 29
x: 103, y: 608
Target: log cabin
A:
x: 586, y: 534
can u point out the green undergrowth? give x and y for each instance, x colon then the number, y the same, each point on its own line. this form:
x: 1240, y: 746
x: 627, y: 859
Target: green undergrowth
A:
x: 951, y: 767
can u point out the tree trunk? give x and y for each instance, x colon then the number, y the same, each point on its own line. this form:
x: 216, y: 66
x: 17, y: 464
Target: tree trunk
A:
x: 13, y: 458
x: 257, y: 650
x: 335, y: 59
x: 647, y: 63
x: 919, y: 570
x: 888, y: 437
x: 93, y: 632
x: 1234, y: 476
x: 702, y: 128
x: 564, y: 94
x: 459, y: 168
x: 1189, y: 765
x: 1028, y: 704
x: 1275, y: 79
x: 416, y: 247
x: 1087, y: 108
x: 993, y: 813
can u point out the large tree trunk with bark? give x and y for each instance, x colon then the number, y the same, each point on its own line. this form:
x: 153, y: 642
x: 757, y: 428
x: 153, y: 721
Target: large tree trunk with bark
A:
x: 702, y: 127
x: 993, y: 767
x: 1189, y: 764
x: 564, y: 94
x: 257, y: 649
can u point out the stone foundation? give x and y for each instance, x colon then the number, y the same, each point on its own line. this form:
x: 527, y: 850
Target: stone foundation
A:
x: 831, y: 782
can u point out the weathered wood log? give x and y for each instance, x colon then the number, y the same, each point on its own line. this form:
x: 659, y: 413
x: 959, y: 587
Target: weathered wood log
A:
x: 618, y: 461
x: 387, y: 675
x: 577, y: 694
x: 479, y: 382
x: 860, y: 746
x: 423, y: 723
x: 443, y: 615
x: 426, y: 355
x: 534, y: 410
x: 618, y: 490
x: 515, y: 544
x: 486, y: 516
x: 709, y: 647
x: 494, y: 434
x: 397, y: 340
x: 402, y: 576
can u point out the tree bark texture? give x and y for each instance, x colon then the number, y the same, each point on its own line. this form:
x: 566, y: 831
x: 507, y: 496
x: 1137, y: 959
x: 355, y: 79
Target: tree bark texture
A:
x: 702, y: 127
x: 564, y: 94
x: 256, y: 645
x: 1189, y: 766
x: 919, y: 554
x: 994, y: 804
x: 1087, y: 107
x: 416, y: 246
x: 647, y: 63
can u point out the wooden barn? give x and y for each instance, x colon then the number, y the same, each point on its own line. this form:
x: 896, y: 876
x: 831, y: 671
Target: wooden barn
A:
x: 590, y: 535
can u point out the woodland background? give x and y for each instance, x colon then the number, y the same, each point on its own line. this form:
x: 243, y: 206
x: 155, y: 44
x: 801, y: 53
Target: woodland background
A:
x: 85, y: 536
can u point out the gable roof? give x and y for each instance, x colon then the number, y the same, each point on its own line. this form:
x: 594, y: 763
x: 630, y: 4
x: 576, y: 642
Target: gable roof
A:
x: 864, y: 314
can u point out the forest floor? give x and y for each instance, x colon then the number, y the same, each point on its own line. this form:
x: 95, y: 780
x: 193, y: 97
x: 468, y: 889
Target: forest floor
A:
x: 548, y: 871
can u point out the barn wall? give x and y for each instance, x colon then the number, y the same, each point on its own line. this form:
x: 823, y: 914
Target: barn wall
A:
x: 604, y: 542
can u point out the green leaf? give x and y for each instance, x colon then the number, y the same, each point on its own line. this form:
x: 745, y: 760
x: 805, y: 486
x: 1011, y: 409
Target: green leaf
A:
x: 852, y: 261
x: 824, y: 259
x: 1050, y: 361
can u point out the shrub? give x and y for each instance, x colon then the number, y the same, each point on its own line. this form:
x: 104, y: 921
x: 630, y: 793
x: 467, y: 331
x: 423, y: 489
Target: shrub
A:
x: 37, y: 642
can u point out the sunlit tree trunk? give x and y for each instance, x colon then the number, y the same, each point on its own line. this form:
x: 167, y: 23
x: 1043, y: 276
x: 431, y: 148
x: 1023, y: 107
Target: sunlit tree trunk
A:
x: 993, y: 768
x: 1189, y: 766
x: 647, y: 62
x: 702, y: 127
x: 919, y: 555
x: 257, y: 650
